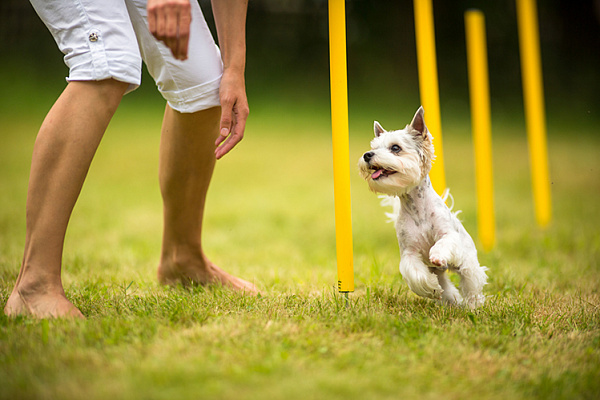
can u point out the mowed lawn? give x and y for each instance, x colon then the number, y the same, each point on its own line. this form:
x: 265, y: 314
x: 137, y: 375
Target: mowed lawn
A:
x: 270, y: 220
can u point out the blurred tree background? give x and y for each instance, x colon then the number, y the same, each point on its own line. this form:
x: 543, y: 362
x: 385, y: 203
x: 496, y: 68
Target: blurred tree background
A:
x: 288, y: 55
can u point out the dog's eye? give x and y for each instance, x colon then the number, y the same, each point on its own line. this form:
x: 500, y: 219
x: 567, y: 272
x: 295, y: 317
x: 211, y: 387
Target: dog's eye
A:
x: 395, y: 148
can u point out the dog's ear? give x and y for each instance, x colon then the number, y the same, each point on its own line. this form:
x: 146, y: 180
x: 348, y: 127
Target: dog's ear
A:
x: 418, y: 122
x: 378, y: 129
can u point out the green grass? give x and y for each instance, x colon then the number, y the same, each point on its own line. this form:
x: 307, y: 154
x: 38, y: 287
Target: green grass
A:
x: 272, y: 222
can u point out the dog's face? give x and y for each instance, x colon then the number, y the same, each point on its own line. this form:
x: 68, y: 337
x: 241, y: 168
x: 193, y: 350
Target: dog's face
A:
x: 398, y: 160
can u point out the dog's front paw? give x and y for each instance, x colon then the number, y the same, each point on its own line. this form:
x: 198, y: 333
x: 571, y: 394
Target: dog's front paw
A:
x: 438, y: 261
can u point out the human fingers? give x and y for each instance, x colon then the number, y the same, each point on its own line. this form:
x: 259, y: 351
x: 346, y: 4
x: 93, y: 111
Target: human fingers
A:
x: 223, y: 143
x: 169, y: 21
x: 177, y: 26
x: 226, y: 121
x: 183, y: 35
x: 156, y: 18
x: 230, y: 142
x: 152, y: 19
x: 230, y: 137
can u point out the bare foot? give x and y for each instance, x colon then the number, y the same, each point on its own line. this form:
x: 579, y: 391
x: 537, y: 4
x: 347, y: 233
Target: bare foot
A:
x: 205, y: 274
x: 40, y: 306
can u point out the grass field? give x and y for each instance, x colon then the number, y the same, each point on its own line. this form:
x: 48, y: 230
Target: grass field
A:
x: 270, y: 220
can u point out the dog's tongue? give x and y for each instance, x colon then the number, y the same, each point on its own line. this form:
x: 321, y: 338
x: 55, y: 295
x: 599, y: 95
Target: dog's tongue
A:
x: 377, y: 174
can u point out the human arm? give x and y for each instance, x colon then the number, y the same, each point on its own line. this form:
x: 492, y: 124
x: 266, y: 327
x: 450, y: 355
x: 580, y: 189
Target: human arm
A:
x: 230, y: 20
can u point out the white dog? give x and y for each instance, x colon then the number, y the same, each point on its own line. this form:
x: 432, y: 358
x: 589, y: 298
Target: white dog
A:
x: 431, y: 238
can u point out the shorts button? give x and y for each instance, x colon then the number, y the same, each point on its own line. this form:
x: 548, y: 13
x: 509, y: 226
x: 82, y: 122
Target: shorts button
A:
x: 93, y: 37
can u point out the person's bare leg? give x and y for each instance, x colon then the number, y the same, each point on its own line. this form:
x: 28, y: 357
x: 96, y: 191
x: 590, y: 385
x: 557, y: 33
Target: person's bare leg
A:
x: 63, y: 151
x: 187, y: 161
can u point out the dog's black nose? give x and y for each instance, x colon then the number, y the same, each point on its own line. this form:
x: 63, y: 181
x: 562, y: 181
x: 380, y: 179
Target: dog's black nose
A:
x: 368, y: 155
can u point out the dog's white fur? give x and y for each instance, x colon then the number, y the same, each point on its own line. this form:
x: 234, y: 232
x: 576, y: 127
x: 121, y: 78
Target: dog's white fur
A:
x: 431, y: 238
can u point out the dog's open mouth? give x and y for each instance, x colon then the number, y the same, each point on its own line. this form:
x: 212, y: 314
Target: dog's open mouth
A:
x: 379, y: 172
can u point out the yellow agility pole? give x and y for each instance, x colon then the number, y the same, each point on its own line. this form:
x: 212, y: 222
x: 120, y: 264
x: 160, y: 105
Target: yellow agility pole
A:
x: 533, y: 97
x: 341, y: 146
x: 481, y: 125
x: 428, y: 86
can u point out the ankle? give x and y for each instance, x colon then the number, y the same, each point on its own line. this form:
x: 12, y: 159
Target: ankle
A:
x: 181, y: 256
x: 39, y: 283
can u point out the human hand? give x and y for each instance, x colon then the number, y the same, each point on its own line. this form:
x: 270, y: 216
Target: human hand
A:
x: 234, y: 111
x: 169, y: 21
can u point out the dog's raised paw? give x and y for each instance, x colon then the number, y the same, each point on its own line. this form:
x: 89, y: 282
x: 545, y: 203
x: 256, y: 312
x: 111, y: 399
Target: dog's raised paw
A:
x: 438, y: 261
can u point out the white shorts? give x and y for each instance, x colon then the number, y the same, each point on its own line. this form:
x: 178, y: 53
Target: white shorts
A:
x: 104, y: 39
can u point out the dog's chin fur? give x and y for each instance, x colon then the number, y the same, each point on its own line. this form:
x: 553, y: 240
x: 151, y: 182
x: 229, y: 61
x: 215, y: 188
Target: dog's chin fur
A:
x: 407, y: 174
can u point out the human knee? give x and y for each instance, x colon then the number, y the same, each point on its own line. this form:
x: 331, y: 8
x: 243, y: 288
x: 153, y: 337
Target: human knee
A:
x: 106, y: 92
x: 112, y: 89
